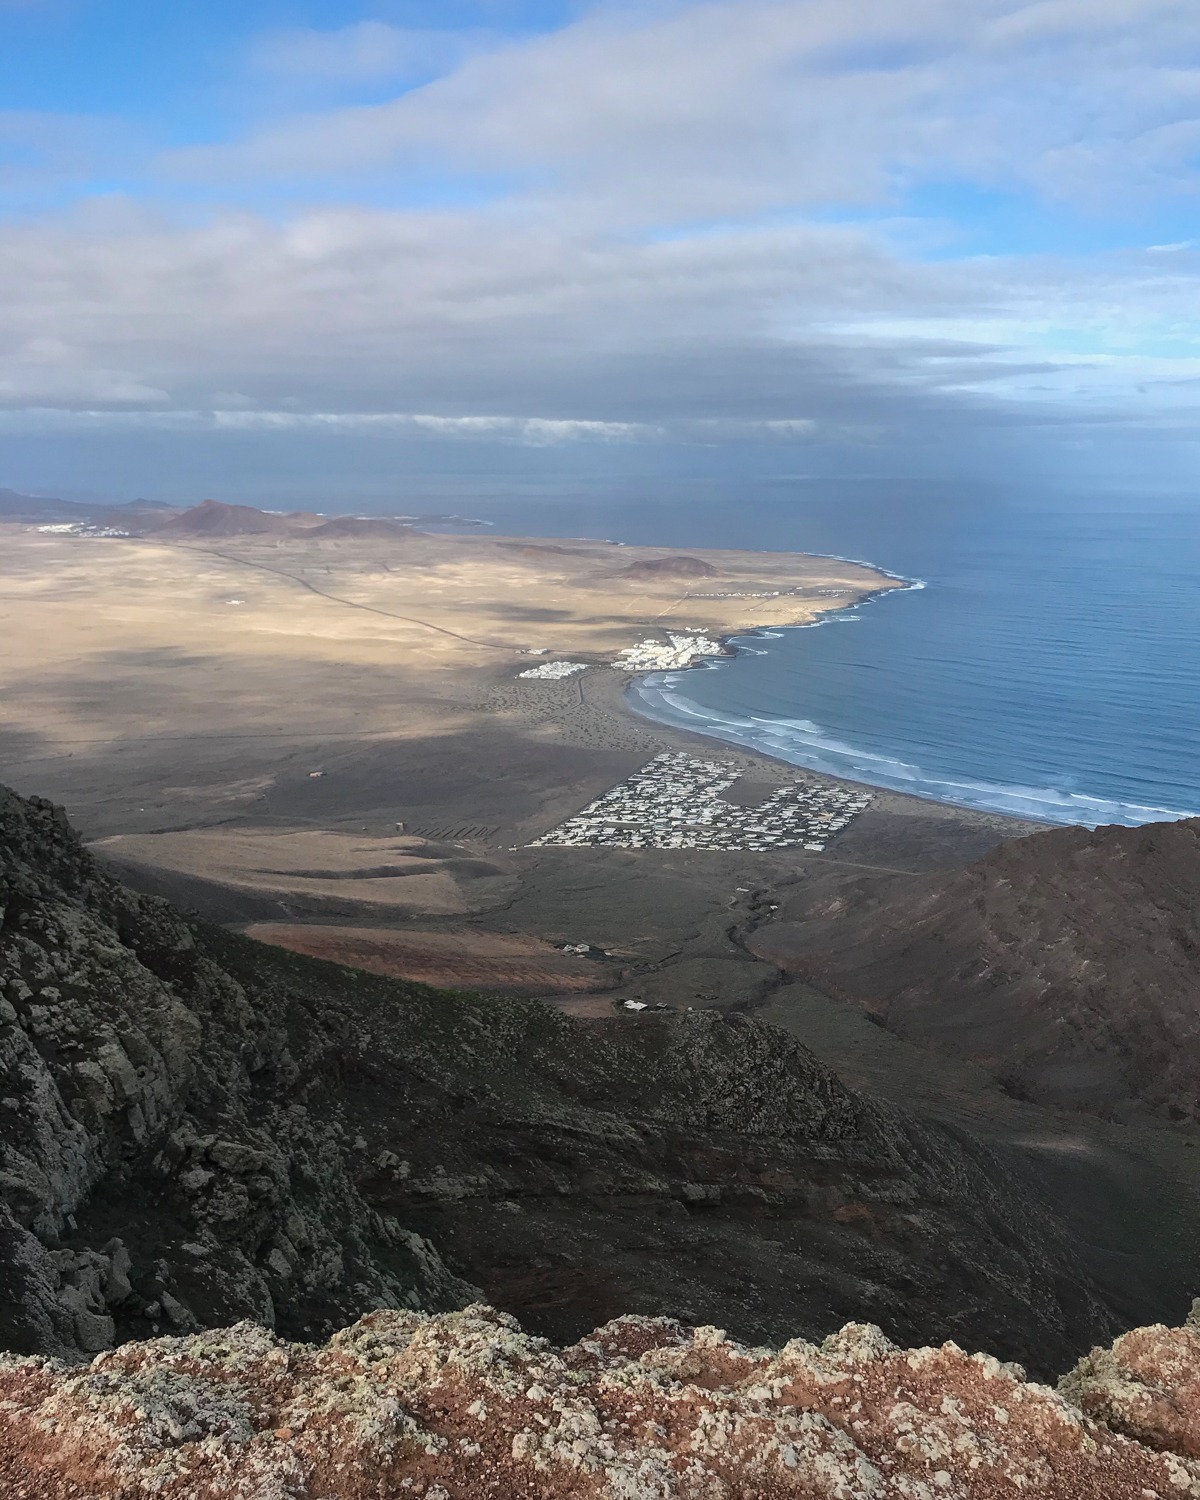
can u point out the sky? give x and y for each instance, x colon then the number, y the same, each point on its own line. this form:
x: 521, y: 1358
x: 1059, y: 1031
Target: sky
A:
x: 315, y: 250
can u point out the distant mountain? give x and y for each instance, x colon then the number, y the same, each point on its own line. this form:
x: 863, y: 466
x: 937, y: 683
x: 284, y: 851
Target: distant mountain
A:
x: 133, y: 515
x: 34, y: 508
x: 213, y: 518
x: 1067, y: 962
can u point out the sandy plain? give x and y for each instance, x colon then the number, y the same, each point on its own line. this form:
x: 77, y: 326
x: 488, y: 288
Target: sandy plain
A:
x: 282, y: 729
x: 178, y: 698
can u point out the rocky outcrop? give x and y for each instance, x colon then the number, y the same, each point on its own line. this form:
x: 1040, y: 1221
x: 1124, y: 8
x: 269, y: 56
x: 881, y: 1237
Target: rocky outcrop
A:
x: 1065, y: 962
x: 156, y: 1167
x: 196, y: 1129
x: 465, y: 1406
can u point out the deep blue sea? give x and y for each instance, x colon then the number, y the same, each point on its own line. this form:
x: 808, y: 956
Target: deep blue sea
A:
x: 1047, y: 665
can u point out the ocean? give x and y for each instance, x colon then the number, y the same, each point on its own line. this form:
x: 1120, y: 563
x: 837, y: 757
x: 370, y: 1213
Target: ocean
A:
x: 1044, y: 662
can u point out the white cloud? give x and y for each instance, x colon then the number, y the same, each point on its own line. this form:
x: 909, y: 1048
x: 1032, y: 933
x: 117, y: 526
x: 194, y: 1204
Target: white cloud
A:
x: 366, y: 52
x: 730, y: 105
x: 645, y: 272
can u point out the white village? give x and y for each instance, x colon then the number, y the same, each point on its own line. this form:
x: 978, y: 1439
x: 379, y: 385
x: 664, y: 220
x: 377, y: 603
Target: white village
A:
x: 675, y: 802
x: 677, y: 651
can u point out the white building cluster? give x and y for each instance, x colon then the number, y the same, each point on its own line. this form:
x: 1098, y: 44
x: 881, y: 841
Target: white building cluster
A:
x: 80, y: 528
x: 552, y: 669
x: 675, y: 802
x: 666, y: 656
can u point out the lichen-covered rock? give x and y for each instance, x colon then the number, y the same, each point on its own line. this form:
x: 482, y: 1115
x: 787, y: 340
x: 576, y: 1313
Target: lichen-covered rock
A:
x: 1146, y: 1386
x: 151, y: 1159
x: 465, y: 1406
x: 196, y: 1129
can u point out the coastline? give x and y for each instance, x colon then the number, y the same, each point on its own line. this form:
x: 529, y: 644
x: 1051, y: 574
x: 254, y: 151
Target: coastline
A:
x: 708, y: 738
x: 657, y: 696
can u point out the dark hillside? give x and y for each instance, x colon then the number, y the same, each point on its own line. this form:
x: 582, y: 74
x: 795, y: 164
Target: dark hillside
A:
x: 197, y: 1128
x: 1068, y: 963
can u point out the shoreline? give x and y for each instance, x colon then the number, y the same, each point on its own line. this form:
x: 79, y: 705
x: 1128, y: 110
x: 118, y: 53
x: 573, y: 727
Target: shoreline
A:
x: 897, y: 583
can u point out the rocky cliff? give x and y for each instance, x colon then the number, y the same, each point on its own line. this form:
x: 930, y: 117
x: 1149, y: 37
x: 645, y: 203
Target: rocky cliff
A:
x: 196, y: 1129
x: 465, y: 1406
x: 1066, y: 962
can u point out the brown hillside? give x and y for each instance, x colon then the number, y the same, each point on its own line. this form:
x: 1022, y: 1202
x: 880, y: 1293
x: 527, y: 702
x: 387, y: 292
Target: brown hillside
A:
x: 214, y: 518
x: 1067, y: 962
x: 361, y: 526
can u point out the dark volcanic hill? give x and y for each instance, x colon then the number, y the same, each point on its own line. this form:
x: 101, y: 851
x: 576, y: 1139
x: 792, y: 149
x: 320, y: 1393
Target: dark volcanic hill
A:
x: 670, y: 567
x: 1068, y: 963
x: 214, y: 518
x: 196, y: 1128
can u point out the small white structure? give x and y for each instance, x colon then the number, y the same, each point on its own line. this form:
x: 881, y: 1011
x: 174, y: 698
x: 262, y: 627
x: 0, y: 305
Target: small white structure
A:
x: 80, y: 528
x: 666, y: 656
x: 549, y: 670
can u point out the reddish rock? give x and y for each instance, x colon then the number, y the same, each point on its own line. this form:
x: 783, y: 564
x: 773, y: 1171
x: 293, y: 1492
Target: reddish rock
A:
x: 465, y: 1406
x: 214, y: 518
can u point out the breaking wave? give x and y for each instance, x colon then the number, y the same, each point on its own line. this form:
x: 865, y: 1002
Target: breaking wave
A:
x: 801, y: 742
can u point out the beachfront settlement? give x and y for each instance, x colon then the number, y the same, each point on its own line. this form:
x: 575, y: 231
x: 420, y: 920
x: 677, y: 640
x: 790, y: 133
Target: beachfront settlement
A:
x: 550, y: 671
x: 675, y: 802
x: 678, y: 650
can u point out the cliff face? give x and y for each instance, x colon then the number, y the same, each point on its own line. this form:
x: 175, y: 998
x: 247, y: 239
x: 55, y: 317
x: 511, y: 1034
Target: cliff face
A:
x: 196, y: 1129
x: 465, y: 1406
x: 159, y: 1165
x: 1066, y: 962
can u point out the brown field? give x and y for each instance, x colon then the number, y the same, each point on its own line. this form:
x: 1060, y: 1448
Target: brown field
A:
x: 454, y: 960
x: 311, y: 867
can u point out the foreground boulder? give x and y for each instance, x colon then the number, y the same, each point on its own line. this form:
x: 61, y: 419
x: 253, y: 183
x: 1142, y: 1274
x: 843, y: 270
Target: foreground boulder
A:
x: 465, y: 1406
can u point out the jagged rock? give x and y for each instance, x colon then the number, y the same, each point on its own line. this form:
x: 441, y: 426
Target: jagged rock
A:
x: 465, y: 1406
x: 143, y: 1092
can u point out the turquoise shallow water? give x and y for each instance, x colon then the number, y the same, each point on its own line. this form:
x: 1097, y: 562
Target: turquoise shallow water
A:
x: 1046, y: 666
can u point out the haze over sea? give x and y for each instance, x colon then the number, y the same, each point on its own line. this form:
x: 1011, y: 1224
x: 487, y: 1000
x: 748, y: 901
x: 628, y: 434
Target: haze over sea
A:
x: 1047, y: 666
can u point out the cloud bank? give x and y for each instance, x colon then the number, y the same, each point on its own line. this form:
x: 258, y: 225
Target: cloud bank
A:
x: 841, y: 224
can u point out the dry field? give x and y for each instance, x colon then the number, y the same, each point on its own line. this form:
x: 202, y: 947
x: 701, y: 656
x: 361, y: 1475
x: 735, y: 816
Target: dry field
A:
x: 453, y: 960
x: 157, y: 685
